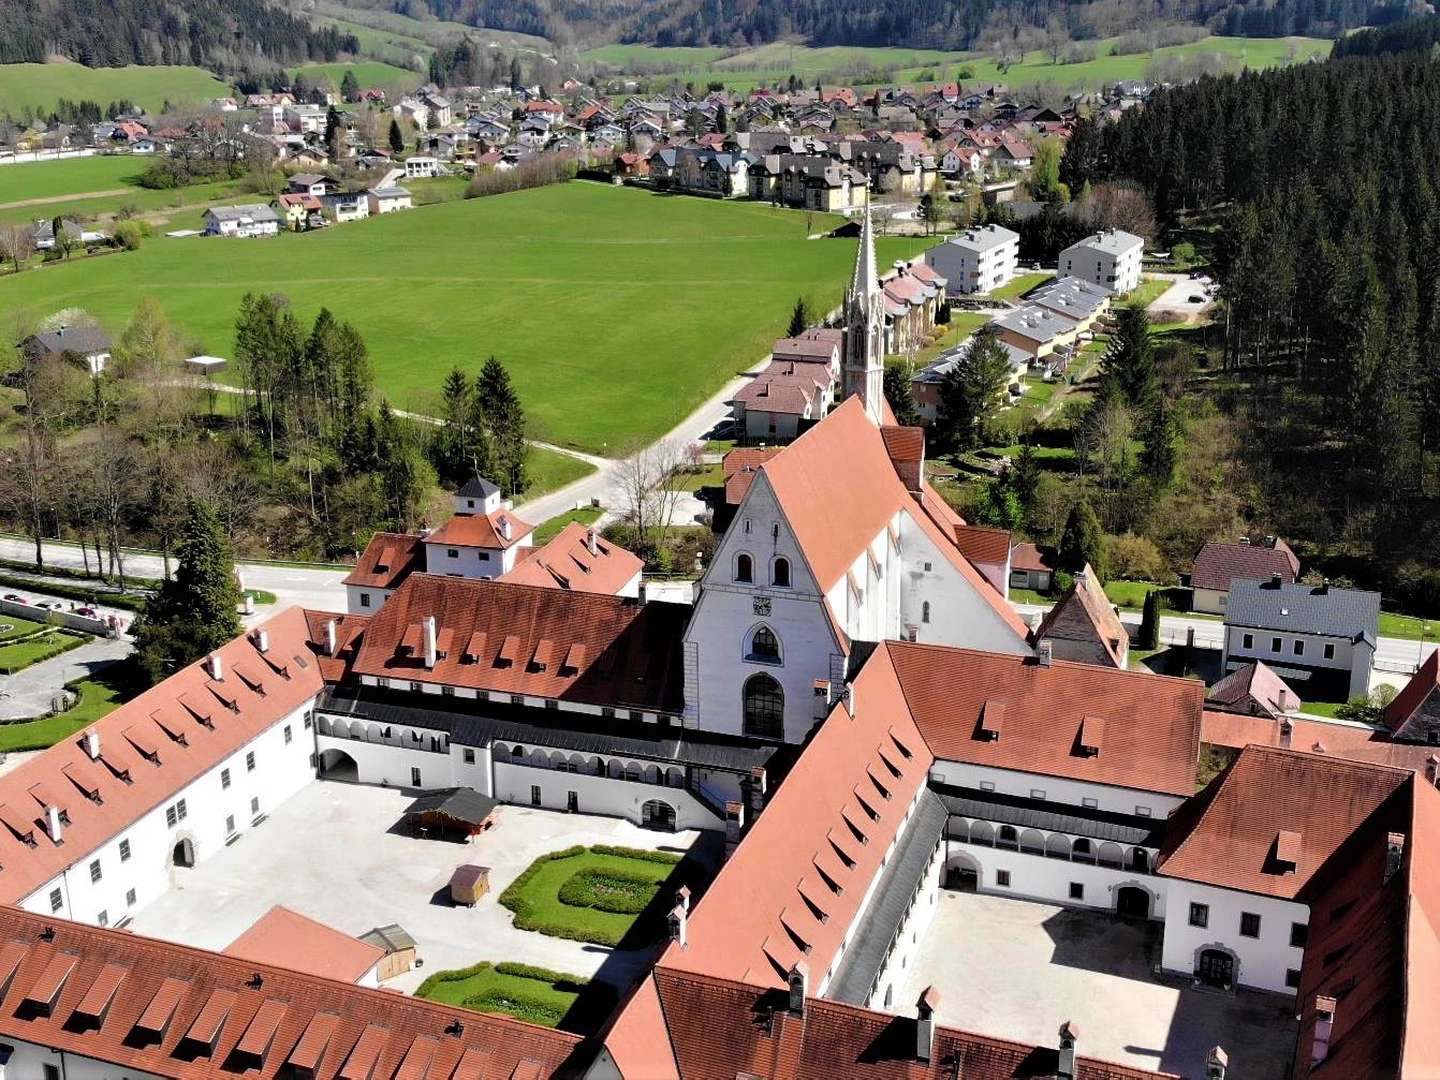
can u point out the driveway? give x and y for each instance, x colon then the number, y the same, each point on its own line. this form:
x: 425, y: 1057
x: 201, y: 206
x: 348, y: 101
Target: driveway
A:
x: 333, y: 853
x: 1177, y: 298
x: 31, y: 692
x: 1017, y: 970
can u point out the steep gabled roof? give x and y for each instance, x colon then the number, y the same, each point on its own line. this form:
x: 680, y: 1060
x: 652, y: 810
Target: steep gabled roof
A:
x: 792, y: 889
x: 1226, y: 835
x: 1085, y: 614
x: 387, y: 560
x: 1255, y: 689
x: 482, y: 530
x: 624, y: 653
x: 167, y: 1002
x: 150, y: 748
x: 1217, y: 564
x: 1292, y: 607
x: 1151, y: 730
x: 1422, y: 686
x: 567, y: 562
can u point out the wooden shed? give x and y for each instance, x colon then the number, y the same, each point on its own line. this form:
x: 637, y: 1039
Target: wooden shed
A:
x: 399, y: 948
x: 450, y: 811
x: 468, y: 884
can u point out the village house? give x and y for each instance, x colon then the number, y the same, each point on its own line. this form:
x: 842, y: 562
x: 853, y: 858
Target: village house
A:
x: 782, y: 401
x: 312, y: 184
x: 421, y: 168
x: 299, y: 211
x: 347, y: 205
x: 1036, y: 331
x: 386, y: 199
x: 1217, y: 564
x: 88, y: 346
x: 250, y: 219
x: 1084, y: 626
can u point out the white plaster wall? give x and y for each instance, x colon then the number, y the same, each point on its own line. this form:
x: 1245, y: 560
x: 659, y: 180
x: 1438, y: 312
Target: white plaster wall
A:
x: 1260, y: 962
x: 917, y: 921
x: 1037, y: 877
x: 1209, y: 600
x: 598, y: 795
x: 471, y: 562
x: 29, y: 1060
x: 355, y: 605
x: 1059, y: 790
x: 281, y: 769
x: 959, y: 614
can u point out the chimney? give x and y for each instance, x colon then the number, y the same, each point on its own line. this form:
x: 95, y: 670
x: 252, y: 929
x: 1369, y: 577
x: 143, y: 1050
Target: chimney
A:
x: 92, y: 744
x: 1324, y: 1024
x: 1044, y: 652
x: 1394, y: 852
x: 757, y: 790
x: 677, y: 919
x: 1287, y: 729
x: 53, y: 825
x: 215, y: 666
x: 1069, y: 1036
x: 504, y: 527
x: 590, y: 542
x: 925, y: 1010
x: 1216, y: 1063
x: 431, y: 651
x: 331, y: 639
x: 799, y: 977
x: 1275, y: 581
x: 734, y: 825
x: 262, y: 640
x: 1432, y: 770
x: 682, y: 897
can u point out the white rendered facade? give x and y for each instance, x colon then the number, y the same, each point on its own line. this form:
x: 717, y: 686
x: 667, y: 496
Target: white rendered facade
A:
x: 1110, y: 259
x: 979, y: 260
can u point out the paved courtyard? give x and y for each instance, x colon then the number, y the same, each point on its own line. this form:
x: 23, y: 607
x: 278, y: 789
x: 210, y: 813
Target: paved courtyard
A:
x: 333, y: 853
x: 1017, y: 970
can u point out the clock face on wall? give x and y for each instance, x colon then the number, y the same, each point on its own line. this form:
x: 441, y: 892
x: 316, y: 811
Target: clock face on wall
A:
x: 762, y: 605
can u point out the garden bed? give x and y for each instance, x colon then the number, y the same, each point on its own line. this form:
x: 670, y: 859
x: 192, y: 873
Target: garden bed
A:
x: 533, y: 994
x: 587, y: 894
x: 23, y: 654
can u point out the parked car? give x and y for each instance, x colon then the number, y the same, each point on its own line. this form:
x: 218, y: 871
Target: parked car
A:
x: 16, y: 598
x: 88, y: 612
x: 1195, y: 298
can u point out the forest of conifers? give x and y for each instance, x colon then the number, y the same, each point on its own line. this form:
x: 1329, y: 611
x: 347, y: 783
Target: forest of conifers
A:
x: 1320, y: 183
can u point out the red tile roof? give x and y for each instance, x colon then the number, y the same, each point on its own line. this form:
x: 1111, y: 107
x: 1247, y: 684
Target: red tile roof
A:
x: 567, y: 562
x: 1254, y: 688
x: 720, y: 1029
x: 348, y: 629
x: 287, y: 939
x: 631, y: 651
x: 1216, y: 565
x: 983, y: 545
x: 169, y: 993
x: 1226, y: 835
x: 795, y: 885
x: 1425, y: 682
x: 1152, y: 739
x: 1030, y: 557
x: 134, y: 743
x: 387, y: 560
x: 482, y: 530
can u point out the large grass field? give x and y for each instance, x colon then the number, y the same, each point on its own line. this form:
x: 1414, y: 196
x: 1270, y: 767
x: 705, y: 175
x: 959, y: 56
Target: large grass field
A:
x: 70, y: 176
x: 37, y: 87
x: 84, y: 188
x: 368, y: 73
x: 617, y: 311
x: 746, y: 69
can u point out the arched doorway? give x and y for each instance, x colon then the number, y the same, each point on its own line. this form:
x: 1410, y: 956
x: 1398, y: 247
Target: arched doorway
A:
x: 338, y: 765
x: 657, y: 814
x: 1216, y: 968
x: 962, y: 874
x: 1132, y: 902
x: 184, y: 852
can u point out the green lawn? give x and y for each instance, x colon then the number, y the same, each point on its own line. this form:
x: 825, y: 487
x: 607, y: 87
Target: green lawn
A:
x: 961, y: 325
x: 1323, y: 708
x: 72, y: 176
x: 744, y: 69
x: 37, y: 87
x: 707, y: 476
x: 1029, y: 596
x: 22, y: 654
x: 1408, y: 626
x: 547, y: 531
x: 617, y: 311
x: 368, y: 73
x: 161, y: 206
x: 534, y: 896
x: 99, y: 694
x: 1129, y: 594
x: 1021, y: 285
x: 12, y: 627
x: 547, y: 470
x: 484, y: 989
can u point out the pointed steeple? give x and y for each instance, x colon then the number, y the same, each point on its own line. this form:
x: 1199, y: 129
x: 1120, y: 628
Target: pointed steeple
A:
x: 864, y: 283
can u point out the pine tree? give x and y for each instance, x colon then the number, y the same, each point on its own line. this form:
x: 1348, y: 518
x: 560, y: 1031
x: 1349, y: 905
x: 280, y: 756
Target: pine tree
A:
x: 799, y: 318
x: 349, y: 86
x: 1159, y: 435
x: 970, y: 391
x: 195, y: 612
x: 505, y: 421
x: 397, y: 137
x: 1149, y: 636
x: 1083, y: 541
x: 1025, y: 475
x: 1129, y: 365
x: 400, y: 478
x: 898, y: 373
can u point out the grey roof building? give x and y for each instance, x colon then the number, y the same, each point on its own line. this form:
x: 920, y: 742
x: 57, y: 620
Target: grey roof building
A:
x: 1352, y: 614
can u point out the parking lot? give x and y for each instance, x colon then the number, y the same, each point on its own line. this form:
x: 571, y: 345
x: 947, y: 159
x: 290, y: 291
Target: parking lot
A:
x: 1017, y: 970
x: 1186, y: 297
x: 333, y: 853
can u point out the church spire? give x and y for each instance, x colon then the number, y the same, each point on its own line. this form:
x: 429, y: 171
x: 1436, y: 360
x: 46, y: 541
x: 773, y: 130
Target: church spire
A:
x: 864, y: 283
x: 865, y: 326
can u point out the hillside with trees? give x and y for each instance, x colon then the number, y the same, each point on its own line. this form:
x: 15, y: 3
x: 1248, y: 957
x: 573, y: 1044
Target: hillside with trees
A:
x: 222, y: 35
x: 1313, y: 189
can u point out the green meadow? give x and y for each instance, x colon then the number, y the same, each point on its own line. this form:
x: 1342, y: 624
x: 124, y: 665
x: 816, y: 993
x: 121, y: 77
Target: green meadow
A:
x: 368, y: 73
x: 746, y: 69
x: 617, y: 310
x: 36, y: 87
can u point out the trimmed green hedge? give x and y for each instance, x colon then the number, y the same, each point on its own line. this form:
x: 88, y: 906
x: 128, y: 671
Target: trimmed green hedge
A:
x: 644, y: 854
x: 529, y: 917
x: 531, y: 1008
x: 620, y: 891
x: 74, y: 592
x: 20, y: 655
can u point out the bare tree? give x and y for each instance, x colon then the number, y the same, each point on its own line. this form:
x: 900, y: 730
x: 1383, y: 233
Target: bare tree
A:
x: 115, y: 490
x: 17, y: 243
x: 30, y: 483
x: 651, y: 488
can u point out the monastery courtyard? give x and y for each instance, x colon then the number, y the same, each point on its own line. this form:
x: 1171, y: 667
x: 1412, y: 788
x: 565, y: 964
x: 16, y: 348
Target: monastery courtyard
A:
x: 1018, y: 969
x: 335, y: 853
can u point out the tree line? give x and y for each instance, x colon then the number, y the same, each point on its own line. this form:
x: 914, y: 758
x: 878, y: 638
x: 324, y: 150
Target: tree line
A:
x: 223, y: 35
x: 1319, y: 184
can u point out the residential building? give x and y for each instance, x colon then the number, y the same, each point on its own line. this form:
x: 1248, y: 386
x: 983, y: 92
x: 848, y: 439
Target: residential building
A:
x: 980, y: 259
x: 1253, y: 689
x: 299, y: 211
x: 1110, y: 259
x: 252, y: 219
x: 421, y: 168
x: 88, y: 346
x: 388, y: 559
x: 1073, y: 298
x: 1319, y: 638
x: 1037, y: 332
x: 483, y: 539
x: 312, y: 184
x: 579, y: 559
x: 1032, y: 567
x: 348, y: 205
x: 388, y: 199
x: 1217, y: 564
x: 1084, y: 626
x: 783, y: 400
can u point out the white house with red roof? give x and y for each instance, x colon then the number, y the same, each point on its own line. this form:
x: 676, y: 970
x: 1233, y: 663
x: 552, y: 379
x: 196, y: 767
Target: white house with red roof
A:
x: 484, y: 538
